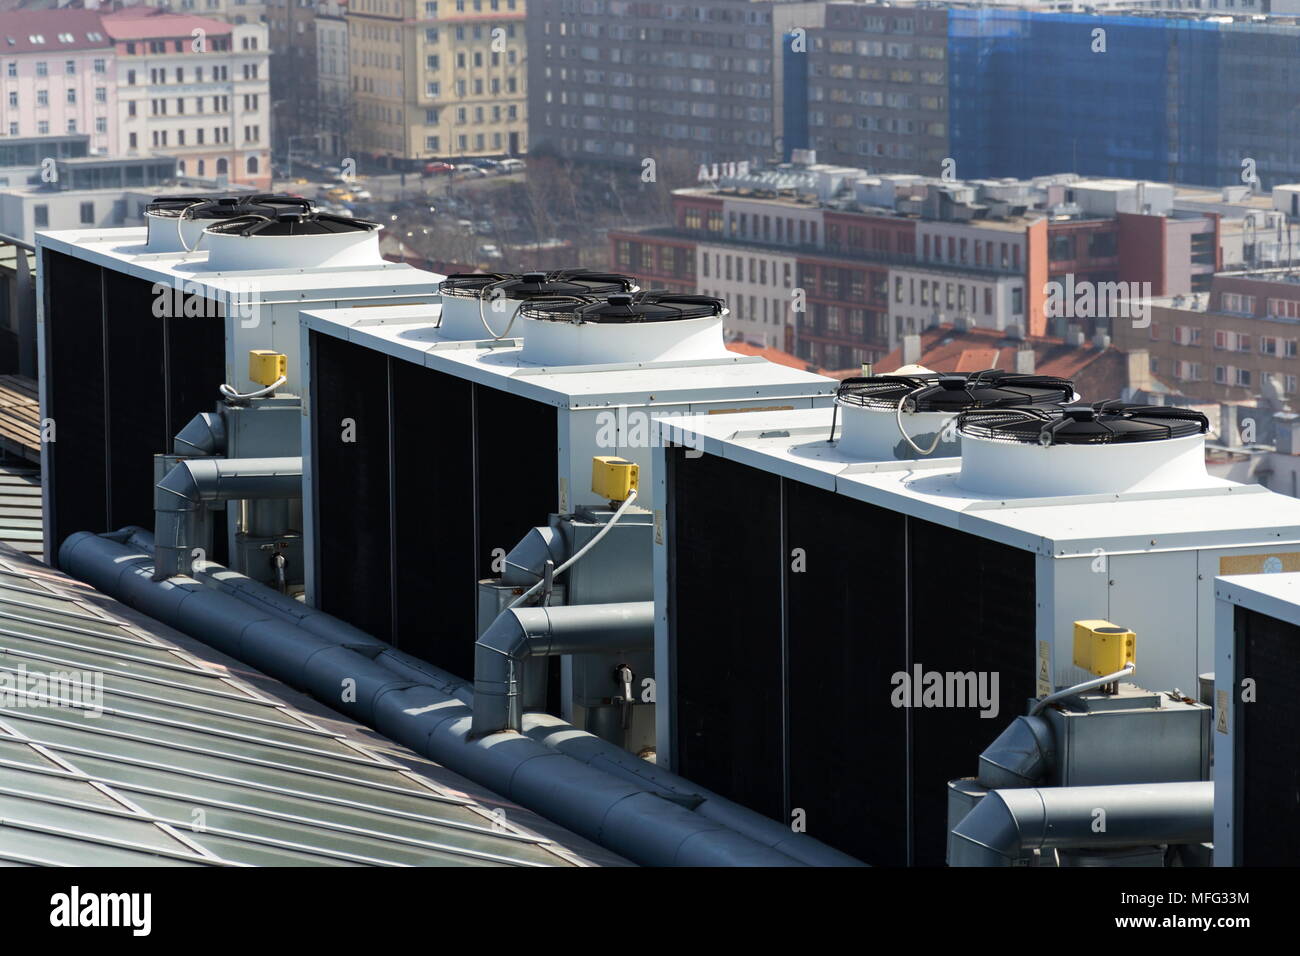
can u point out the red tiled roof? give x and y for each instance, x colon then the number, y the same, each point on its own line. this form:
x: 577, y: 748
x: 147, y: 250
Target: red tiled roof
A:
x: 149, y: 23
x: 975, y: 360
x: 773, y: 354
x: 1098, y: 374
x: 20, y: 28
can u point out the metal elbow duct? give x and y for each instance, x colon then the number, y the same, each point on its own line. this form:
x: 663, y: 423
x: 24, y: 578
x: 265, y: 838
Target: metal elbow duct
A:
x: 182, y: 496
x: 526, y: 562
x: 520, y: 633
x: 204, y: 434
x: 1006, y: 824
x: 1021, y: 756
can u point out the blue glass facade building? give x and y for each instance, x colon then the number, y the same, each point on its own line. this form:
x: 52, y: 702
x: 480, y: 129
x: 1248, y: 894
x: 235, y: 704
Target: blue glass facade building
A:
x: 1033, y: 93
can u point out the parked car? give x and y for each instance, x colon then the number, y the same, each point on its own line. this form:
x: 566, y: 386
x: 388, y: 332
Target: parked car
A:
x: 436, y: 169
x: 512, y: 165
x: 471, y: 172
x: 489, y: 250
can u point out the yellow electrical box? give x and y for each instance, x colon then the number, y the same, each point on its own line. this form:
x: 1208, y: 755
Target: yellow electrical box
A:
x: 1101, y: 647
x: 266, y: 367
x: 614, y: 478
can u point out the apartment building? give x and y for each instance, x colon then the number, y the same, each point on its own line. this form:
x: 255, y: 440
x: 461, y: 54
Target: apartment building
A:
x: 197, y: 89
x: 620, y: 81
x: 333, y: 89
x: 438, y: 79
x: 837, y: 266
x: 878, y: 87
x: 1220, y: 345
x: 58, y: 77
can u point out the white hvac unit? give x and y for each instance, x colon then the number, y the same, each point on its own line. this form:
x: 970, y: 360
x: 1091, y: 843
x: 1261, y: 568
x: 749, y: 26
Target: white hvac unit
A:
x: 1256, y: 699
x: 426, y: 463
x: 176, y: 223
x: 856, y: 572
x: 136, y: 334
x: 482, y: 305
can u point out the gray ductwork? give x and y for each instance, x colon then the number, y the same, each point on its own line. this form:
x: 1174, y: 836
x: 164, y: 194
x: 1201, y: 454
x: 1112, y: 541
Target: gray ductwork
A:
x: 526, y: 562
x: 1021, y: 756
x: 1006, y: 824
x: 181, y: 499
x: 519, y: 634
x: 632, y: 807
x: 204, y: 434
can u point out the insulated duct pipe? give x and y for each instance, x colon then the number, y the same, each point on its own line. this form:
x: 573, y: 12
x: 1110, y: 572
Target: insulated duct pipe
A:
x: 651, y: 817
x: 1007, y: 823
x: 181, y: 498
x: 523, y: 632
x: 203, y: 435
x: 1021, y: 756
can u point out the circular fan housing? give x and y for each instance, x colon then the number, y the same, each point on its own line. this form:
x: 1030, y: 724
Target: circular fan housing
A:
x: 654, y: 326
x: 868, y: 408
x: 1109, y: 447
x: 300, y: 240
x: 173, y: 220
x: 499, y: 293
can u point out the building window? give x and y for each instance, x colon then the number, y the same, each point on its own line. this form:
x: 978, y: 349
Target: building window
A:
x: 87, y: 213
x: 42, y: 68
x: 41, y: 216
x: 252, y: 165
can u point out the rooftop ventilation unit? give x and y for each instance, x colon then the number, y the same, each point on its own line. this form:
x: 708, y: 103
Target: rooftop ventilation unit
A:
x: 626, y: 327
x: 481, y: 305
x: 874, y: 427
x: 426, y: 464
x: 134, y: 343
x: 175, y: 223
x: 1256, y: 698
x: 887, y: 607
x: 1082, y: 450
x: 303, y: 240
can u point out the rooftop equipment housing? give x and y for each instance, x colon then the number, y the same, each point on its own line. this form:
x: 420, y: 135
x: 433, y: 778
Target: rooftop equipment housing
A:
x: 425, y: 465
x: 904, y: 416
x: 861, y: 579
x: 1256, y: 688
x: 134, y: 341
x: 482, y: 305
x: 175, y: 223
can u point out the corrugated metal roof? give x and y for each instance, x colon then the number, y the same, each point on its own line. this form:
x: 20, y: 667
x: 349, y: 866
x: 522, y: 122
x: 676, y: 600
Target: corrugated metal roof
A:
x: 20, y: 509
x: 125, y: 743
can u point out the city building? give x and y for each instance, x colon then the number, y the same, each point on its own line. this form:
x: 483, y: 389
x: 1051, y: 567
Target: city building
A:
x: 837, y: 265
x: 333, y: 89
x: 1233, y: 343
x: 878, y: 87
x: 202, y: 97
x: 26, y: 209
x: 622, y: 81
x: 438, y: 79
x: 58, y: 77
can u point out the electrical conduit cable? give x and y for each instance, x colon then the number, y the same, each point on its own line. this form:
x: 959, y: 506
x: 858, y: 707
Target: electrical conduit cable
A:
x: 622, y: 510
x: 898, y: 417
x: 228, y: 391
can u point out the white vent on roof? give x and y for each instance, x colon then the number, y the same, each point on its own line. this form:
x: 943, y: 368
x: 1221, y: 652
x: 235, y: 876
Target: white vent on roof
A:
x: 931, y: 401
x: 1107, y: 448
x: 623, y: 328
x: 471, y: 299
x: 312, y: 241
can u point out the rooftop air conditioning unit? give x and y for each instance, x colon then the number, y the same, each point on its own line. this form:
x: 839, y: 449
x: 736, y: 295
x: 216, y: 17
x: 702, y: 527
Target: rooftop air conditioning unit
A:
x: 903, y: 416
x: 868, y: 586
x: 482, y: 305
x: 1256, y: 699
x: 175, y: 223
x: 135, y: 341
x: 427, y: 465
